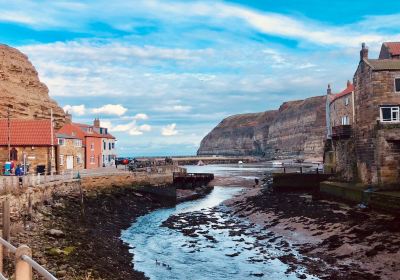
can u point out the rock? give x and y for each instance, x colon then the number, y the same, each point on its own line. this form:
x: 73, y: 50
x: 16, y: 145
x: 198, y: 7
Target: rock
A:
x: 61, y: 273
x: 21, y: 88
x: 56, y: 233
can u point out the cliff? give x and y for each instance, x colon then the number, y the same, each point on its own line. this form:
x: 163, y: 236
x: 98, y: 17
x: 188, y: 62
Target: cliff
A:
x: 22, y: 91
x: 297, y: 129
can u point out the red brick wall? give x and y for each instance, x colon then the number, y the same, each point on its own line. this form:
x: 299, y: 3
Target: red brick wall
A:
x: 93, y: 153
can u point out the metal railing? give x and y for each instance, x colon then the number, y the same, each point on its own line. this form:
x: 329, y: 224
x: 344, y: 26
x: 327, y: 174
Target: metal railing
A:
x: 23, y: 262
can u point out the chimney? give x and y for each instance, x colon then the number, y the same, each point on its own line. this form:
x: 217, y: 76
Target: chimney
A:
x: 348, y: 83
x: 363, y: 52
x: 96, y: 122
x: 328, y: 90
x: 68, y: 118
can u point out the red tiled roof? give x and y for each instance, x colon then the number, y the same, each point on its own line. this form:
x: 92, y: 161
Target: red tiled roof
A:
x: 349, y: 89
x: 26, y: 132
x: 93, y: 133
x: 394, y: 47
x: 72, y: 130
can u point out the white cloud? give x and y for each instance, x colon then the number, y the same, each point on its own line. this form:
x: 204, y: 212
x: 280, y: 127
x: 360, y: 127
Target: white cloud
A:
x: 140, y: 116
x: 169, y: 130
x: 78, y: 110
x: 110, y: 109
x: 106, y: 124
x: 135, y: 131
x: 145, y: 128
x: 124, y: 127
x: 174, y: 108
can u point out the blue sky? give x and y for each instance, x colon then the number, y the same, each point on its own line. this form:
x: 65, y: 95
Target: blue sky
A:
x: 161, y: 74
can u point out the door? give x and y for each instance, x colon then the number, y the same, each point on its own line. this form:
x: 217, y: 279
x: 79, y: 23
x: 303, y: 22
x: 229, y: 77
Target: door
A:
x: 70, y: 162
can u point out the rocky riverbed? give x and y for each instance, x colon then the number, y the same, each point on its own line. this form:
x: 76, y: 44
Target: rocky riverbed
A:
x: 73, y: 245
x: 335, y: 240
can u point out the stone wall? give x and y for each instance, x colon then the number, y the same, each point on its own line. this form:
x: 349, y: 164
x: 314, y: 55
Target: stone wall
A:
x: 34, y: 155
x: 373, y: 89
x: 297, y: 129
x: 69, y: 149
x: 339, y: 109
x: 21, y: 89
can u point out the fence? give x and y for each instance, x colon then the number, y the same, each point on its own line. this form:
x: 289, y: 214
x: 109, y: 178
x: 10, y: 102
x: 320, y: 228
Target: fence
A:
x: 23, y: 254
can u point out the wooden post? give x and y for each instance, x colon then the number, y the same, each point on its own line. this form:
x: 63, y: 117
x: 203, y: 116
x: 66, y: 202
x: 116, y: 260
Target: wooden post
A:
x: 23, y: 271
x: 284, y: 170
x: 1, y: 254
x: 6, y: 220
x: 301, y: 169
x: 29, y: 205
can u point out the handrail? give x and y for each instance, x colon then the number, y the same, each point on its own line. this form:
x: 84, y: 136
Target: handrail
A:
x: 9, y: 246
x: 47, y: 275
x: 40, y: 269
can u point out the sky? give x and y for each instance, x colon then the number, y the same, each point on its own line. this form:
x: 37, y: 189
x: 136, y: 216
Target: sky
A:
x: 160, y: 74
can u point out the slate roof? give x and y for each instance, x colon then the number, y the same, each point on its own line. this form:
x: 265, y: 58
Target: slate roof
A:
x: 26, y: 132
x: 383, y: 64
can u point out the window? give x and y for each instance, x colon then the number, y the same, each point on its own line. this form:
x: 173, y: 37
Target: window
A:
x: 77, y: 143
x: 92, y: 160
x: 345, y: 120
x: 92, y: 146
x: 109, y: 146
x: 61, y: 141
x: 14, y: 154
x: 346, y: 101
x: 104, y: 145
x: 61, y: 160
x: 78, y: 159
x: 397, y: 84
x: 113, y: 145
x: 390, y: 114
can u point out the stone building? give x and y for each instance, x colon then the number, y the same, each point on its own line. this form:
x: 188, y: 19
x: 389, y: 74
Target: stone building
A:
x: 70, y: 152
x: 31, y: 144
x: 340, y: 116
x: 371, y: 151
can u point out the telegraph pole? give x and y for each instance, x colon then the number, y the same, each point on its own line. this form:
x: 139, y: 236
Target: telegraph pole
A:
x: 52, y: 142
x: 9, y: 133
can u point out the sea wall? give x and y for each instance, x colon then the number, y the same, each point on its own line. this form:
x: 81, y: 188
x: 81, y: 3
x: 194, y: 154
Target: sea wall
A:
x: 297, y: 129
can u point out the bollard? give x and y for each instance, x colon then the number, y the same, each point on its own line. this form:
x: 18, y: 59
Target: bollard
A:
x: 301, y: 169
x: 23, y: 271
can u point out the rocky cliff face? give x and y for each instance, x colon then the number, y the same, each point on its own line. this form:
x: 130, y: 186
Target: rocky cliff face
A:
x: 297, y: 129
x: 236, y: 135
x: 22, y: 91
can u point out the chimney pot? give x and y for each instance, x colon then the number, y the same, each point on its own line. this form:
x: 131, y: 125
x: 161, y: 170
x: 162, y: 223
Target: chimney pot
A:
x: 363, y: 52
x: 328, y: 90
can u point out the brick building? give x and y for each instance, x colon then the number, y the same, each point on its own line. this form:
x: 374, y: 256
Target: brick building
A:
x: 30, y: 143
x: 370, y: 151
x: 108, y: 153
x: 70, y: 152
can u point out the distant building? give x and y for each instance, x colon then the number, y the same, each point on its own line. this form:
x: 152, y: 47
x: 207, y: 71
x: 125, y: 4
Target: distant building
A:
x: 31, y: 143
x: 98, y: 144
x: 368, y: 151
x: 70, y: 151
x: 108, y: 152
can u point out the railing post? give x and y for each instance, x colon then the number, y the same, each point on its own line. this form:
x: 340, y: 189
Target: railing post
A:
x: 1, y: 253
x: 23, y: 271
x: 6, y: 220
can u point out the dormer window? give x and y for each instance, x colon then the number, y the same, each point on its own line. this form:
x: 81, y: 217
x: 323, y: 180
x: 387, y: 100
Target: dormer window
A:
x: 346, y: 101
x: 397, y: 84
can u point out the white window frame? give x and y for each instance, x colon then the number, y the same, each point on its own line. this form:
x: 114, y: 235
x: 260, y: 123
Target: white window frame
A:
x: 78, y: 143
x: 394, y: 84
x: 92, y: 146
x: 92, y: 159
x: 393, y: 109
x: 61, y: 141
x: 61, y: 160
x: 347, y: 101
x: 345, y: 120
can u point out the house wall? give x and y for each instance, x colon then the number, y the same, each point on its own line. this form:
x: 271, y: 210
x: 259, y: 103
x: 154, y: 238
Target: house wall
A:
x: 373, y: 89
x: 107, y: 152
x: 34, y: 155
x: 69, y: 149
x: 339, y: 109
x: 93, y: 152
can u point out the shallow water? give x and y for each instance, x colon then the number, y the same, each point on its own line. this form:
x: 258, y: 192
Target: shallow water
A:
x: 163, y: 253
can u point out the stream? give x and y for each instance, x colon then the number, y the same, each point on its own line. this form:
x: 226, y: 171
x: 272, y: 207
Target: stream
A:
x: 202, y: 239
